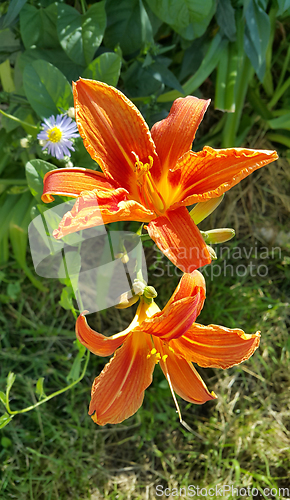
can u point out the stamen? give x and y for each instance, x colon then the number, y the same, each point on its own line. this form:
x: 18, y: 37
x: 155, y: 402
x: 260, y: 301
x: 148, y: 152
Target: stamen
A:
x: 187, y: 427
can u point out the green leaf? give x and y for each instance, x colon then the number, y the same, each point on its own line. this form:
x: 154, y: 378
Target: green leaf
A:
x: 13, y: 290
x: 5, y: 420
x: 38, y: 26
x: 47, y: 89
x: 164, y: 75
x: 6, y: 442
x: 76, y: 367
x: 106, y: 68
x: 39, y: 388
x: 66, y: 297
x: 207, y: 66
x: 225, y: 16
x: 57, y: 57
x: 128, y: 25
x: 189, y: 18
x: 284, y: 5
x: 257, y: 35
x: 10, y: 381
x: 14, y: 8
x: 3, y: 397
x: 81, y: 35
x: 35, y: 172
x: 282, y: 122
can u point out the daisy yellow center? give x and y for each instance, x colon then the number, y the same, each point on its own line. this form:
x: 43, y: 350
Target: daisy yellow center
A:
x: 149, y: 193
x: 54, y: 134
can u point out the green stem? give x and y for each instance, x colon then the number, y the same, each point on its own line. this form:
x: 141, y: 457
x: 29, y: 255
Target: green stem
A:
x: 84, y: 7
x: 57, y: 393
x: 20, y: 122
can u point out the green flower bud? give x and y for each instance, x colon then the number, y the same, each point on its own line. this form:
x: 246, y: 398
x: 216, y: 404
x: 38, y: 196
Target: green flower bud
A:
x: 218, y: 235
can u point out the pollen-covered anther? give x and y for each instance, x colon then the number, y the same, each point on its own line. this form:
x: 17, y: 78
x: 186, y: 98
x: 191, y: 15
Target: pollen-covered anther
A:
x: 157, y: 355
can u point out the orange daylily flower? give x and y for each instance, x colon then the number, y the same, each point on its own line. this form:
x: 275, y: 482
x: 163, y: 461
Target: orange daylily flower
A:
x: 169, y: 337
x: 147, y: 176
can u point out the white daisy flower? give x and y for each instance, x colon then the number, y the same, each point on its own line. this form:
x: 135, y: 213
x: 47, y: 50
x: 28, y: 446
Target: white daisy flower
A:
x: 57, y: 134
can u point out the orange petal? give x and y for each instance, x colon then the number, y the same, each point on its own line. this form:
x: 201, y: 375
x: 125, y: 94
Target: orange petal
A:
x: 174, y: 136
x: 181, y: 310
x: 185, y: 380
x: 118, y: 392
x: 72, y: 181
x: 96, y: 342
x: 94, y: 208
x: 179, y: 239
x: 216, y: 346
x: 112, y: 128
x: 211, y: 172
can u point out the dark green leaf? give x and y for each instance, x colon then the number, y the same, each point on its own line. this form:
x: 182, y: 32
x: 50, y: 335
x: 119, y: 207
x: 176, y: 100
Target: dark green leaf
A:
x: 38, y: 26
x: 81, y: 35
x: 35, y: 172
x: 47, y: 89
x: 164, y: 75
x: 225, y: 16
x: 128, y: 25
x: 5, y: 419
x: 106, y: 68
x: 57, y: 57
x: 14, y: 8
x: 257, y: 34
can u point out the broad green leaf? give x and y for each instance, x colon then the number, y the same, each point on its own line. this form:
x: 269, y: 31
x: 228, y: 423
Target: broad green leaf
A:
x: 128, y: 25
x: 189, y: 18
x: 35, y: 172
x: 57, y: 57
x: 46, y: 89
x: 106, y: 68
x: 39, y: 388
x: 14, y: 8
x: 6, y: 442
x: 5, y: 420
x: 81, y: 35
x: 38, y: 26
x: 257, y: 34
x: 225, y: 16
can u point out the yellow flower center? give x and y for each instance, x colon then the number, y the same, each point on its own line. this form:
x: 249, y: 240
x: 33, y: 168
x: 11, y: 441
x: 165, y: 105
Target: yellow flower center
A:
x: 54, y: 134
x: 149, y: 193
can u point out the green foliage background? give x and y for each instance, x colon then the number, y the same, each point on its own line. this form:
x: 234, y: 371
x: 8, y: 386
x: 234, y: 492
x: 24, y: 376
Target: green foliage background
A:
x: 237, y: 53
